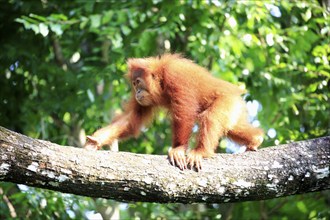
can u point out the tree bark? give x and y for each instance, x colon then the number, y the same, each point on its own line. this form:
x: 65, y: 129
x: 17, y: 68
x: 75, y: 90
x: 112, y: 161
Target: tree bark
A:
x: 283, y: 170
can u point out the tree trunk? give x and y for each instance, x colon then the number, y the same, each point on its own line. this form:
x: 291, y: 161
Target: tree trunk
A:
x: 284, y: 170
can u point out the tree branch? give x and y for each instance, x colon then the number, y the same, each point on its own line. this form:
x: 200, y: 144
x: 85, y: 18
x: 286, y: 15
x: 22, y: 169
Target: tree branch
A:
x: 284, y: 170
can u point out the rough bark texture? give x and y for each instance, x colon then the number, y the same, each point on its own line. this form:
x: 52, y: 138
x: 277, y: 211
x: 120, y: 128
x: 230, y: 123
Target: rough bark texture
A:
x: 271, y: 172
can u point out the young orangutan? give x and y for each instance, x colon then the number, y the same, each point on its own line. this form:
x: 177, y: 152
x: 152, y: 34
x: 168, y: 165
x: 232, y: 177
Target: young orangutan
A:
x: 191, y: 95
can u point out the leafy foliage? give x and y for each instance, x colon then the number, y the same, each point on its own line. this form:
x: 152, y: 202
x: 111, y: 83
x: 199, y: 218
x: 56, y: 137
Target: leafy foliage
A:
x: 63, y: 64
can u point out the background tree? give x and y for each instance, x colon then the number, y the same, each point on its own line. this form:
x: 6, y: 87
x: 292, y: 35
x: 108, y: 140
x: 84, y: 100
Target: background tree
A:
x: 62, y: 70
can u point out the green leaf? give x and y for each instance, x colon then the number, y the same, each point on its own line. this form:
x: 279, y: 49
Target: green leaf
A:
x: 90, y: 95
x: 125, y: 30
x: 43, y: 29
x: 302, y: 207
x: 95, y: 21
x: 58, y: 17
x: 38, y: 17
x: 56, y: 28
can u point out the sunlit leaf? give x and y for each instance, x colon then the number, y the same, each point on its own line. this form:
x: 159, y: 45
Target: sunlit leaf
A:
x: 90, y: 95
x: 95, y: 21
x: 43, y: 29
x: 57, y: 29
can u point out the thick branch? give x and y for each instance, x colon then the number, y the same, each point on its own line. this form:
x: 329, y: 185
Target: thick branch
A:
x: 272, y: 172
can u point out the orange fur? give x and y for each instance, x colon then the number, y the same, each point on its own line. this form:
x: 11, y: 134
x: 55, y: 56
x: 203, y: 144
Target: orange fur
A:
x: 191, y: 95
